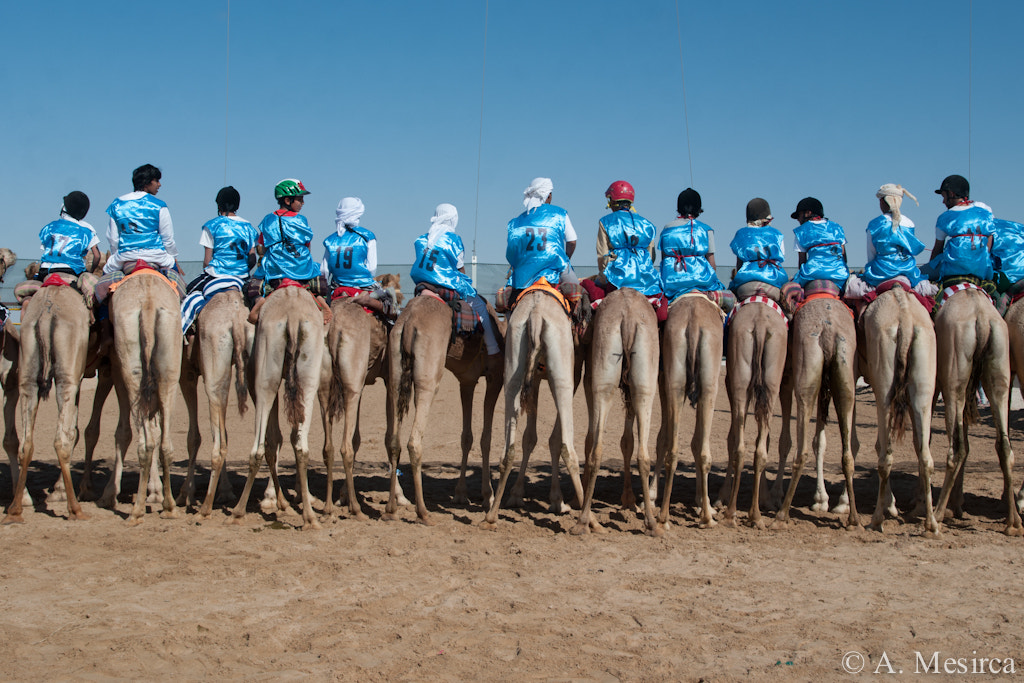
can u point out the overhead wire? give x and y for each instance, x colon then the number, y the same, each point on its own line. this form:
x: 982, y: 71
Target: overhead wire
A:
x: 227, y: 91
x: 480, y: 141
x: 682, y: 75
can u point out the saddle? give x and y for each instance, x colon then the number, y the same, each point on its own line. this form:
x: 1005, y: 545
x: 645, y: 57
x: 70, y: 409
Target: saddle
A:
x: 758, y: 299
x: 139, y: 268
x: 869, y: 297
x: 320, y: 303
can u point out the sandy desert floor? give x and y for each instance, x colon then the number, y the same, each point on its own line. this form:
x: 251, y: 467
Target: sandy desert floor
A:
x: 372, y: 600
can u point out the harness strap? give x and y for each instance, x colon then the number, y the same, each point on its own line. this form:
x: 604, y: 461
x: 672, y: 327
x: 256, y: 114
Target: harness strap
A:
x: 758, y: 299
x: 823, y: 295
x: 141, y: 271
x: 542, y: 285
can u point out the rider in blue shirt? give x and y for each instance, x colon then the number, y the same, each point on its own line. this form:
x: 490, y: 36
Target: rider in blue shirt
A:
x: 625, y: 244
x: 821, y: 245
x: 440, y: 262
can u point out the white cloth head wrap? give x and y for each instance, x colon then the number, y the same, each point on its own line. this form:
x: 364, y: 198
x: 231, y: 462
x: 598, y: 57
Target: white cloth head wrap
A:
x: 537, y: 193
x: 446, y: 217
x: 349, y: 211
x: 893, y: 195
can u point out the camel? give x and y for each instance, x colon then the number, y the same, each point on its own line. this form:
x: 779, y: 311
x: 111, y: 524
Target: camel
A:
x: 146, y: 315
x: 623, y: 353
x: 973, y: 349
x: 824, y: 348
x: 900, y: 352
x: 692, y: 342
x: 54, y: 340
x: 356, y: 353
x: 223, y: 340
x: 755, y: 360
x: 288, y: 347
x: 1015, y: 327
x: 538, y: 332
x: 418, y: 353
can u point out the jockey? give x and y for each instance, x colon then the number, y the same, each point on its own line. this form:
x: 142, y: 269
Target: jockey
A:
x: 541, y: 240
x: 892, y: 246
x: 283, y: 244
x: 820, y: 244
x: 140, y: 225
x: 760, y: 252
x: 963, y: 234
x: 440, y: 262
x: 1008, y: 248
x: 66, y: 244
x: 350, y: 258
x: 688, y: 250
x: 625, y: 253
x: 68, y: 240
x: 230, y: 252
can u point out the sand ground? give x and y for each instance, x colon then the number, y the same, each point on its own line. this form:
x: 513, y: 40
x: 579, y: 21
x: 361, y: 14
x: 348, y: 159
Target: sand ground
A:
x: 374, y: 600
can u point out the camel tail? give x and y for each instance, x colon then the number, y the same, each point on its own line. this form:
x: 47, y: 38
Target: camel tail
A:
x: 240, y: 357
x: 405, y: 378
x: 334, y: 401
x: 527, y: 395
x: 971, y: 415
x: 758, y: 386
x: 899, y: 401
x: 44, y: 381
x: 148, y: 403
x: 293, y: 405
x: 694, y: 385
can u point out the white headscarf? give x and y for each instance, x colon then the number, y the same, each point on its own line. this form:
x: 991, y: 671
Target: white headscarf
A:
x: 349, y: 210
x: 537, y: 193
x: 446, y: 217
x: 893, y: 196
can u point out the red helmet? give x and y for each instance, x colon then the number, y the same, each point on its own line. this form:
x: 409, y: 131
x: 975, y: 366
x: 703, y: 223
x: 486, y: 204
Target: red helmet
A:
x: 619, y: 191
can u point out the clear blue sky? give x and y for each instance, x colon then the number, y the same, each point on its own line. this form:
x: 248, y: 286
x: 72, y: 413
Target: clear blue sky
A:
x: 382, y: 100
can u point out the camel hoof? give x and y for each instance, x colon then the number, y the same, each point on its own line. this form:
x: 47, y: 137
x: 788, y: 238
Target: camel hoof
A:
x: 106, y: 502
x: 709, y: 523
x: 79, y: 517
x: 402, y: 500
x: 311, y: 525
x: 757, y: 524
x: 932, y: 534
x: 840, y: 509
x: 235, y: 520
x: 13, y: 519
x: 154, y: 499
x: 656, y: 531
x: 781, y: 522
x: 559, y: 507
x: 1013, y: 530
x: 580, y: 529
x: 489, y: 526
x: 358, y: 515
x: 819, y: 507
x: 389, y: 517
x: 875, y: 526
x: 268, y: 505
x: 460, y: 497
x: 170, y: 514
x: 729, y: 522
x: 515, y: 502
x: 426, y: 520
x: 57, y: 497
x: 134, y: 521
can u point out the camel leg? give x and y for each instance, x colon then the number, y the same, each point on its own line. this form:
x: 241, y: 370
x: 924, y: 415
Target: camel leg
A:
x: 300, y: 444
x: 466, y: 390
x: 627, y: 446
x: 805, y: 401
x: 104, y: 383
x: 777, y: 490
x: 189, y: 383
x: 997, y: 389
x: 148, y: 431
x: 881, y: 384
x: 957, y: 452
x: 424, y: 399
x: 603, y: 379
x: 517, y: 361
x: 393, y: 433
x: 29, y: 406
x: 560, y: 379
x: 643, y: 399
x: 166, y: 446
x: 493, y: 388
x: 11, y: 445
x: 517, y: 498
x: 668, y: 454
x: 256, y: 455
x: 350, y: 427
x: 122, y: 439
x: 844, y: 396
x: 700, y: 446
x: 736, y: 447
x: 921, y: 419
x: 820, y: 493
x: 273, y: 496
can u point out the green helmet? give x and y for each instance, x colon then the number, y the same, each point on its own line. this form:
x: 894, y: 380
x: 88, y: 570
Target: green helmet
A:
x: 289, y: 187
